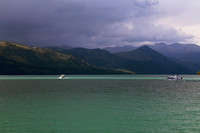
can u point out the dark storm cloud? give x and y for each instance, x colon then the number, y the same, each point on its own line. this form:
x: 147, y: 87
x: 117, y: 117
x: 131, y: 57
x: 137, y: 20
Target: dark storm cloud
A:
x: 90, y: 23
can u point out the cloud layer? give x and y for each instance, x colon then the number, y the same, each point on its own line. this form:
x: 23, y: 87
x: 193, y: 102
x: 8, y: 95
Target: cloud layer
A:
x: 87, y: 23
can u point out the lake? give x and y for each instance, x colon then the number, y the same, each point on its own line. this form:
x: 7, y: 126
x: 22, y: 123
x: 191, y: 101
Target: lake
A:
x: 99, y: 104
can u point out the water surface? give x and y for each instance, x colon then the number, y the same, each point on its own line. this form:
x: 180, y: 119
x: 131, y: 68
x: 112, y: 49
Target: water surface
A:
x: 99, y: 104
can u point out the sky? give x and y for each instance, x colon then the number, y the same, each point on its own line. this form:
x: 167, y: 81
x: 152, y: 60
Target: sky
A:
x: 99, y: 23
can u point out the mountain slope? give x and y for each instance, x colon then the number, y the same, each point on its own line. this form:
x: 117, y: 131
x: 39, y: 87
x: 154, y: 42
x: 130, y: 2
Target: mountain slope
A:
x: 97, y: 57
x: 143, y: 53
x: 175, y: 48
x: 103, y: 58
x: 153, y: 62
x: 119, y: 49
x: 58, y: 48
x: 184, y: 52
x: 21, y: 59
x: 142, y: 61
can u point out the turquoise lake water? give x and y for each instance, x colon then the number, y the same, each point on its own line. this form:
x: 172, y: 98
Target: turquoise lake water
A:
x: 158, y: 77
x: 99, y: 104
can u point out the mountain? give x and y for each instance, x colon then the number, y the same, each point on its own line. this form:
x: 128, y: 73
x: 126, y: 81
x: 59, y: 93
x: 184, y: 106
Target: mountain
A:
x: 153, y: 62
x: 143, y: 60
x: 143, y: 53
x: 119, y: 49
x: 103, y: 58
x: 21, y: 59
x: 175, y: 48
x: 192, y: 66
x: 184, y: 52
x: 97, y: 57
x: 58, y: 48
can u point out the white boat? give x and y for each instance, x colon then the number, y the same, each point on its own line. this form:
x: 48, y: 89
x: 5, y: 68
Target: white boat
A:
x: 175, y: 77
x: 62, y: 76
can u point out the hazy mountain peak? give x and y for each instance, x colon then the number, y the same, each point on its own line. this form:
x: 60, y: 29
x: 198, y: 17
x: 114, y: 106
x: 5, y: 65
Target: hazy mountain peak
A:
x: 119, y: 48
x: 145, y: 50
x: 144, y: 47
x: 141, y: 53
x: 160, y: 44
x: 188, y: 46
x: 177, y: 45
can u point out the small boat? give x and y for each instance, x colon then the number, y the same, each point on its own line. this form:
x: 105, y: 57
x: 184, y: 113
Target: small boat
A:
x: 175, y: 77
x: 62, y: 76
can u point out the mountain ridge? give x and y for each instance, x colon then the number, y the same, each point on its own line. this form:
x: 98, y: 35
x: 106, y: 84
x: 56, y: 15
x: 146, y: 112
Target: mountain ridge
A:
x: 184, y: 52
x: 22, y: 59
x: 119, y: 49
x: 143, y: 60
x: 154, y: 61
x: 141, y: 64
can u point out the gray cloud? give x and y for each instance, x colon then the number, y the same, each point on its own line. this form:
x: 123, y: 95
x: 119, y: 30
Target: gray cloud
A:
x: 87, y: 23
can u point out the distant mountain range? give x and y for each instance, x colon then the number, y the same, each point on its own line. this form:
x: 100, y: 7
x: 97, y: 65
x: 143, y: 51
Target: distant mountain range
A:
x: 184, y: 52
x: 143, y: 60
x: 21, y: 59
x: 119, y: 49
x: 187, y: 55
x: 153, y: 59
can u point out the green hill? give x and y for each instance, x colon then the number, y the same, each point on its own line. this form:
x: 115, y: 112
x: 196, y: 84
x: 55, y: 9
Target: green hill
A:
x: 21, y: 59
x: 97, y: 57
